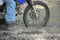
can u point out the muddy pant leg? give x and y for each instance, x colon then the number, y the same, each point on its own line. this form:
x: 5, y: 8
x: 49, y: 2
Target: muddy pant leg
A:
x: 10, y: 10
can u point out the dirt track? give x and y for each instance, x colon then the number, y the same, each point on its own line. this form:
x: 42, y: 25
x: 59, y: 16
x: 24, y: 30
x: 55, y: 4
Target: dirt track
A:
x: 50, y: 32
x: 32, y: 33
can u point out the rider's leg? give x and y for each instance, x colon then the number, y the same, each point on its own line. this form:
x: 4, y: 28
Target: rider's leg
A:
x: 10, y: 12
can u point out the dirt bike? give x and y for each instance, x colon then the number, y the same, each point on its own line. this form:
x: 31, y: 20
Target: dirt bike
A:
x: 35, y: 14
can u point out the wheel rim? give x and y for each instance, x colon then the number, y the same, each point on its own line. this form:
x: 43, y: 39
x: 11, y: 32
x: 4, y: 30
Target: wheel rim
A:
x: 41, y: 13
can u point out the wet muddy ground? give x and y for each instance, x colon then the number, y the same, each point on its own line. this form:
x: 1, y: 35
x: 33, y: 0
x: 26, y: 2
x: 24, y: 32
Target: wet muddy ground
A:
x: 50, y: 32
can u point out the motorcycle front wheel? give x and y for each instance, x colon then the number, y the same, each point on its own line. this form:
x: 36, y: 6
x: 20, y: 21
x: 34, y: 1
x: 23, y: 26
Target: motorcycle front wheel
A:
x: 43, y: 15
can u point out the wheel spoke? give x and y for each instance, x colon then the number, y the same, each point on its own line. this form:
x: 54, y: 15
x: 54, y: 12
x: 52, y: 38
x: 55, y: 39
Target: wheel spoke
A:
x: 42, y: 11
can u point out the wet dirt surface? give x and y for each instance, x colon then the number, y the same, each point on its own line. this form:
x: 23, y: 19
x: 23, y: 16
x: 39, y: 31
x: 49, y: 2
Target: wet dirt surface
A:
x: 50, y: 32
